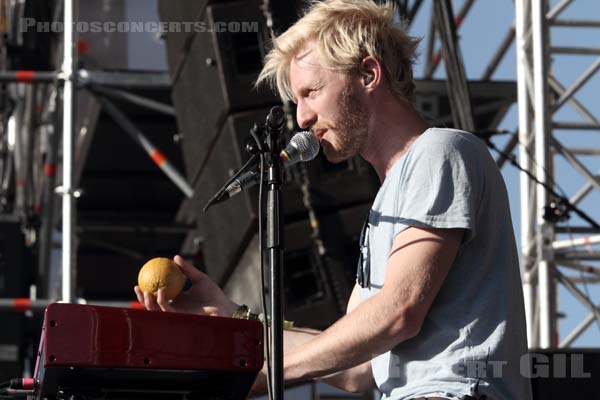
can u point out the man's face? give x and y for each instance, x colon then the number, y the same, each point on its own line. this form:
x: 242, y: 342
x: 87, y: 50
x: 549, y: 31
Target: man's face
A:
x: 328, y: 104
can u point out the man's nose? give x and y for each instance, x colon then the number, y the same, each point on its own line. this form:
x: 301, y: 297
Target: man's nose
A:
x: 305, y: 115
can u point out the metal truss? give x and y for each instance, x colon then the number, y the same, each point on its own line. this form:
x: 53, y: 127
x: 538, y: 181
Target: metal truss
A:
x: 549, y: 245
x: 30, y: 158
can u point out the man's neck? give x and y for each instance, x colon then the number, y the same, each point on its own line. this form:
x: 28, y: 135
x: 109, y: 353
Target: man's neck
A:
x: 396, y: 125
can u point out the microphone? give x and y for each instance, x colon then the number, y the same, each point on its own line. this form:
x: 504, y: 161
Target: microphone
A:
x: 303, y: 146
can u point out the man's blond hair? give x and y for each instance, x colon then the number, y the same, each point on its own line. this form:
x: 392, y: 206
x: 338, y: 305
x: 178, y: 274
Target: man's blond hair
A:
x: 346, y: 31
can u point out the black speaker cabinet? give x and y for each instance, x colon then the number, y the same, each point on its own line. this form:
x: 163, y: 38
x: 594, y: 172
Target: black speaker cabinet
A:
x: 317, y: 284
x: 15, y: 276
x: 218, y: 74
x: 317, y: 287
x: 15, y: 273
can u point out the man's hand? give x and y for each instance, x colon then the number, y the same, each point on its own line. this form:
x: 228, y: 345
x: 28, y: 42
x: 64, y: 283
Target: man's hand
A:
x: 204, y: 297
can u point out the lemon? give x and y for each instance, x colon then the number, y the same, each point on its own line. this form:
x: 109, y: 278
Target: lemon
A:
x: 161, y: 273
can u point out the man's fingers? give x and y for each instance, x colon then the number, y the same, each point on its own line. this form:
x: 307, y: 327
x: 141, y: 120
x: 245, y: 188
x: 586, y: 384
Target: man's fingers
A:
x: 162, y: 301
x: 150, y: 302
x: 193, y: 274
x: 139, y: 294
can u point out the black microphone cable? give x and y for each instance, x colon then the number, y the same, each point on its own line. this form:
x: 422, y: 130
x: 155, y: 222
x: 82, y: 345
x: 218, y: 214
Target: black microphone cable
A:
x: 512, y: 160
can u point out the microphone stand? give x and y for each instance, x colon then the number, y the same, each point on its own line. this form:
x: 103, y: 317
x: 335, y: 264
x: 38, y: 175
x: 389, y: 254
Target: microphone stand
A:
x: 274, y: 242
x: 274, y: 235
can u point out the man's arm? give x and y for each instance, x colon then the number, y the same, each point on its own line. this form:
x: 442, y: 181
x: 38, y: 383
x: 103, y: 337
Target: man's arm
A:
x: 357, y: 379
x: 417, y: 266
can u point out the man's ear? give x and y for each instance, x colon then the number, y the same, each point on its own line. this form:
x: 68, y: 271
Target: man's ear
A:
x: 370, y: 71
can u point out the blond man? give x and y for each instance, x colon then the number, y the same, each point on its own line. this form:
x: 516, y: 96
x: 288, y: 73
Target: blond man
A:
x: 437, y: 310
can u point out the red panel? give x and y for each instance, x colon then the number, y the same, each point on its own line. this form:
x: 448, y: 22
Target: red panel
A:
x: 93, y: 336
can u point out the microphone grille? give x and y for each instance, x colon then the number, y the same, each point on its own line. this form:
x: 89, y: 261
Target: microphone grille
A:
x: 307, y: 145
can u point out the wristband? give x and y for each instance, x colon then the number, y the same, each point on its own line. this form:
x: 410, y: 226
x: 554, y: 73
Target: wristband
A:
x: 243, y: 312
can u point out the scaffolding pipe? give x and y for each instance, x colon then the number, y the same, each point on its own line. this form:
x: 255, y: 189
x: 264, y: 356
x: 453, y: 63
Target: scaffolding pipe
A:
x: 153, y: 152
x: 584, y: 152
x: 430, y: 47
x: 48, y: 201
x: 579, y: 329
x: 584, y: 280
x: 571, y: 287
x: 27, y: 76
x: 578, y: 255
x: 508, y: 149
x: 576, y: 23
x: 545, y: 236
x: 527, y: 224
x: 558, y: 9
x: 108, y: 78
x: 586, y: 230
x: 499, y: 55
x: 137, y: 100
x: 577, y: 126
x: 414, y: 9
x: 577, y: 85
x: 579, y: 267
x: 586, y: 241
x: 147, y: 80
x: 67, y: 191
x: 576, y: 104
x: 578, y: 165
x: 575, y: 50
x: 27, y: 304
x: 458, y: 20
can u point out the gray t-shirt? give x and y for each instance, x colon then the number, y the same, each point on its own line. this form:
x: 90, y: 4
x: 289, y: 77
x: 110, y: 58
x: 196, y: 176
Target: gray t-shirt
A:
x: 475, y: 329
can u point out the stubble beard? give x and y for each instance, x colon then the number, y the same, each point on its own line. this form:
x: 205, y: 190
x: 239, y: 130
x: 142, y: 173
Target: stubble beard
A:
x: 352, y: 128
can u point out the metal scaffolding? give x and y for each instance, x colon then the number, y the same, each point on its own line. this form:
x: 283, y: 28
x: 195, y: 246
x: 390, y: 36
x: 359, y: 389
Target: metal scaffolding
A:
x: 548, y: 245
x: 548, y: 242
x: 31, y: 143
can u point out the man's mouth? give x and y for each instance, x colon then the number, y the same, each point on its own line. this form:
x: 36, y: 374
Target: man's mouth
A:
x: 319, y: 133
